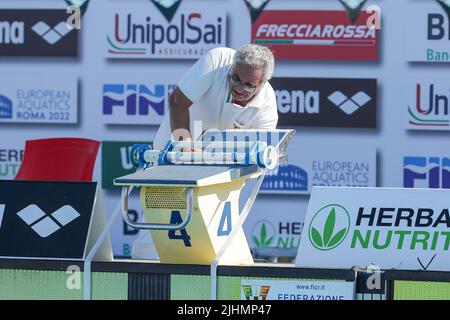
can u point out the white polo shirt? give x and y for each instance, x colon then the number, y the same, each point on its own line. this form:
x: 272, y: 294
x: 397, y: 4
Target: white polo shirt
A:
x: 205, y: 84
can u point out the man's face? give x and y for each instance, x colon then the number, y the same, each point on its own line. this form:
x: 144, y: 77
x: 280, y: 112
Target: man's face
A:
x: 244, y: 82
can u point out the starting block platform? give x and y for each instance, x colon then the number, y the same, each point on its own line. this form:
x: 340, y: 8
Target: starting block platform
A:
x: 190, y: 199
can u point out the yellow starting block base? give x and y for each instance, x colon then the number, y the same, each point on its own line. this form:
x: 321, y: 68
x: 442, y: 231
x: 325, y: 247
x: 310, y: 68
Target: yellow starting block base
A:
x: 215, y: 209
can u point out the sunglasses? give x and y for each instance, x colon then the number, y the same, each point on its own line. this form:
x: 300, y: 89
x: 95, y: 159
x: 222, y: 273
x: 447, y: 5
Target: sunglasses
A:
x: 234, y: 81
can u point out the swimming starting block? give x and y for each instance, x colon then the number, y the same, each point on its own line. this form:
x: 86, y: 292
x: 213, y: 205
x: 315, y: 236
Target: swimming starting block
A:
x: 190, y: 200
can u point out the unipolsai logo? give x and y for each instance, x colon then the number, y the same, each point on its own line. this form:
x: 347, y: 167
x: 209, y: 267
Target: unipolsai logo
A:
x: 6, y: 107
x: 431, y: 107
x: 286, y: 178
x: 263, y: 234
x: 190, y: 35
x: 329, y: 227
x: 426, y: 172
x: 135, y: 99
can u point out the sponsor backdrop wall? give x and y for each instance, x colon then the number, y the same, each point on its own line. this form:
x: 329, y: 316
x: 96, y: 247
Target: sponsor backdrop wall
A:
x: 370, y: 107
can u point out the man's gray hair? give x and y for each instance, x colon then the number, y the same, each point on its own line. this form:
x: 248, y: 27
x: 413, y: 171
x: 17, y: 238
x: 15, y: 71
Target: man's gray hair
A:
x: 256, y: 57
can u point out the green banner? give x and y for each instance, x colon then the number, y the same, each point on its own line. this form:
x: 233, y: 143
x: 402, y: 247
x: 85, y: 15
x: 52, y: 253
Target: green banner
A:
x: 115, y: 161
x: 82, y: 4
x: 256, y: 7
x: 167, y: 7
x: 353, y: 8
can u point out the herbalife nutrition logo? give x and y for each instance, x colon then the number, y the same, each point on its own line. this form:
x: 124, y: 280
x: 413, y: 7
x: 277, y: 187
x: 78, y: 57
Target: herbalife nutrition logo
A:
x: 329, y: 227
x: 349, y: 105
x: 263, y: 234
x: 45, y: 225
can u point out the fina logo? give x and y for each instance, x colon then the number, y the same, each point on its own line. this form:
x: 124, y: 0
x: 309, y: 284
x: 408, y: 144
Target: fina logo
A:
x: 423, y: 172
x: 5, y: 108
x: 135, y: 98
x: 286, y: 178
x: 45, y: 225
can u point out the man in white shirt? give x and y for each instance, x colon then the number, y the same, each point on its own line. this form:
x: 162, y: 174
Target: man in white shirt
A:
x: 225, y: 89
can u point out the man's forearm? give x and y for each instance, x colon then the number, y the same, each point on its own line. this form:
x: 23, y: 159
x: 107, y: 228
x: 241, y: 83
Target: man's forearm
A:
x: 180, y: 124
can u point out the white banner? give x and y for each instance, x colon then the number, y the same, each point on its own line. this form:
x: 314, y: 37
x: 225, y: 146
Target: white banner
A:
x: 427, y: 32
x: 142, y: 32
x: 405, y: 229
x: 46, y: 98
x: 323, y: 165
x: 428, y: 104
x: 296, y: 290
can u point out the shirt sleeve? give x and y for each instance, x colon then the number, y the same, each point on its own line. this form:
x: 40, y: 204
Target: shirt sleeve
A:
x: 199, y: 78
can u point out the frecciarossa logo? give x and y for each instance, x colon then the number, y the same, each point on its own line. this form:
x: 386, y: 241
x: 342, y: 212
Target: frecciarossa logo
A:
x: 189, y: 34
x: 316, y: 35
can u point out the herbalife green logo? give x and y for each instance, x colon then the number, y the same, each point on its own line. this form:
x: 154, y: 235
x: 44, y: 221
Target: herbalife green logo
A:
x: 329, y: 227
x: 263, y: 234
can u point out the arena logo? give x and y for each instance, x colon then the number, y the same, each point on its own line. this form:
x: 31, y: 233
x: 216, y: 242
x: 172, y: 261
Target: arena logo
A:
x: 286, y: 178
x: 12, y: 32
x: 431, y: 107
x: 426, y: 172
x: 191, y: 35
x: 132, y: 100
x: 326, y: 102
x: 45, y: 225
x: 321, y: 35
x: 349, y: 105
x: 37, y: 33
x: 52, y: 34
